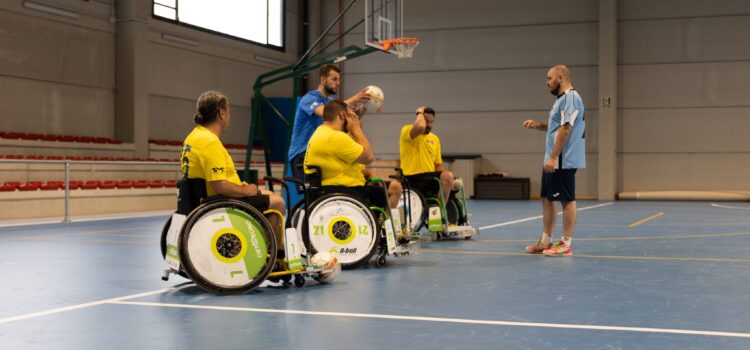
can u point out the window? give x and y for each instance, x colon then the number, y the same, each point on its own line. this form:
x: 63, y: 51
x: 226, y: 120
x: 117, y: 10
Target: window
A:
x: 259, y: 21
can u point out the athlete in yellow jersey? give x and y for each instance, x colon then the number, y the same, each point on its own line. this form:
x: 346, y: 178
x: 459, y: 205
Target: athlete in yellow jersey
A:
x: 342, y: 157
x: 204, y: 156
x: 421, y: 158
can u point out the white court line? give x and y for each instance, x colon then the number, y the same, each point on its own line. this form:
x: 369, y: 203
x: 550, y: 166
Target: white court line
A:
x: 728, y: 206
x: 539, y: 217
x: 443, y: 319
x: 81, y: 306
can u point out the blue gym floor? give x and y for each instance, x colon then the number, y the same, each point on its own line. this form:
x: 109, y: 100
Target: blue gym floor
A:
x: 677, y: 281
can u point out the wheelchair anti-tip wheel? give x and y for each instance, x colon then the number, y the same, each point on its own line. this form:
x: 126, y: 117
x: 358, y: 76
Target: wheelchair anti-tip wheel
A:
x: 227, y: 247
x: 163, y: 243
x: 341, y: 225
x: 417, y: 211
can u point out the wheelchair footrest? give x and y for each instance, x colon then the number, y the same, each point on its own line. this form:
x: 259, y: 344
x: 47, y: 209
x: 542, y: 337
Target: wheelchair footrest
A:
x: 460, y: 231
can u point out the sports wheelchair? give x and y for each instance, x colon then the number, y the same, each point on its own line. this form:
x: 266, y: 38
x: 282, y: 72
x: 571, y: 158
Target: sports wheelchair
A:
x: 425, y: 207
x: 227, y: 246
x: 343, y: 225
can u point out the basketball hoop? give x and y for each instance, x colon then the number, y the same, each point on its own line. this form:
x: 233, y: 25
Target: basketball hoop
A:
x: 401, y: 47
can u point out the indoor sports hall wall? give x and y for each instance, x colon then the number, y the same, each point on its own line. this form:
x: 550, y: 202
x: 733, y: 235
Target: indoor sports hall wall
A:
x: 58, y: 75
x: 482, y: 65
x: 682, y: 109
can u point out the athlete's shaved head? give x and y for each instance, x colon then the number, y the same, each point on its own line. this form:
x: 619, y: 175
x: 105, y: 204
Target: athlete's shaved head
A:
x: 562, y: 71
x: 558, y: 79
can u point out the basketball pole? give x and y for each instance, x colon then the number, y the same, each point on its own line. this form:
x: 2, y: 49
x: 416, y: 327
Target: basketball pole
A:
x: 295, y: 71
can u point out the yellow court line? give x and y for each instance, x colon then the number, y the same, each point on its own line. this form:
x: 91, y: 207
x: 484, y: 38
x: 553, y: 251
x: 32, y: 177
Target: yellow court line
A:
x: 616, y: 257
x: 646, y: 219
x: 708, y: 235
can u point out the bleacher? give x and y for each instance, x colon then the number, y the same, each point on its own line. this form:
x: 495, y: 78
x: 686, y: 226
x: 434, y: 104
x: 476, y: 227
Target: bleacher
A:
x: 104, y: 174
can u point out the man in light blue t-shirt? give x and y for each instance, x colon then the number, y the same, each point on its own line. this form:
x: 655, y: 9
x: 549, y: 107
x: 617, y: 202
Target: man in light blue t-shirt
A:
x: 566, y: 153
x: 309, y: 114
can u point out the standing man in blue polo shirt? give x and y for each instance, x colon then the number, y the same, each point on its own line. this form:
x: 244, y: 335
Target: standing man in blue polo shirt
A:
x: 566, y: 153
x: 309, y: 114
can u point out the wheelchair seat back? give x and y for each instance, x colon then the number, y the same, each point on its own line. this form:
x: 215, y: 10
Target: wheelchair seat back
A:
x: 190, y: 194
x: 314, y: 182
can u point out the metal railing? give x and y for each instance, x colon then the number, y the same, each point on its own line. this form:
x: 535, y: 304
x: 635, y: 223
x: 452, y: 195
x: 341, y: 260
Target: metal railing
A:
x: 67, y: 163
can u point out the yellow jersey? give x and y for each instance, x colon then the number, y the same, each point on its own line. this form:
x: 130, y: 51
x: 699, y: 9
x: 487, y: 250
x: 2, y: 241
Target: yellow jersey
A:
x: 420, y: 154
x: 336, y: 154
x: 204, y: 156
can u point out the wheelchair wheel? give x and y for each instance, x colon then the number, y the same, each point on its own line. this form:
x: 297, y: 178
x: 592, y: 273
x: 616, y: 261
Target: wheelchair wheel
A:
x: 163, y: 243
x: 418, y: 211
x: 341, y: 225
x: 227, y: 247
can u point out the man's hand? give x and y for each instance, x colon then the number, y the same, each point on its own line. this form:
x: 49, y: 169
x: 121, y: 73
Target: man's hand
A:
x: 357, y: 102
x: 249, y: 189
x: 549, y: 165
x: 352, y: 121
x: 362, y: 96
x: 530, y: 124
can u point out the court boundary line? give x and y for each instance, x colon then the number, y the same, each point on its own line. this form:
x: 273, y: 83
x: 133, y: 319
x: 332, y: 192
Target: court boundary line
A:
x: 728, y: 206
x: 539, y: 217
x: 587, y: 256
x: 58, y: 310
x: 641, y: 221
x: 622, y: 238
x: 441, y: 319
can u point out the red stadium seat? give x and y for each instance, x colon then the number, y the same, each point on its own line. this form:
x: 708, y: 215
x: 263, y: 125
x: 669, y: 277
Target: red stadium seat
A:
x: 170, y: 183
x: 156, y: 183
x: 54, y: 157
x: 49, y: 137
x: 124, y: 184
x: 90, y: 185
x: 52, y: 185
x: 174, y: 143
x: 84, y: 139
x: 31, y: 137
x: 159, y: 142
x: 73, y: 158
x: 74, y: 185
x: 66, y: 138
x: 14, y: 156
x: 114, y: 142
x: 9, y: 186
x: 30, y: 186
x: 108, y: 184
x: 34, y: 157
x: 106, y: 159
x: 101, y: 139
x: 141, y: 184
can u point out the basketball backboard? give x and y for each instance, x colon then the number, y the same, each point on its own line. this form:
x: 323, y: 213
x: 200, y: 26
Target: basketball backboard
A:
x: 383, y: 21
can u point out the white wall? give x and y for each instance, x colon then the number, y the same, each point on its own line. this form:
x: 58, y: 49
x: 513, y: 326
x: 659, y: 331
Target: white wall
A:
x: 482, y: 66
x: 684, y: 67
x: 57, y: 74
x: 683, y: 111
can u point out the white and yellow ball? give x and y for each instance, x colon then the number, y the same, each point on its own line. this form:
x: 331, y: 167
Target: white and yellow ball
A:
x: 329, y: 264
x: 376, y: 100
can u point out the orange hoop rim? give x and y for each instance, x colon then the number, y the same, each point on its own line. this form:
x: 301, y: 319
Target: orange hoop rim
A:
x: 387, y: 44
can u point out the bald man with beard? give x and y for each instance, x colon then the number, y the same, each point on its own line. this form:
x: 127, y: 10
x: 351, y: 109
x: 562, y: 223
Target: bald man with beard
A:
x: 565, y: 154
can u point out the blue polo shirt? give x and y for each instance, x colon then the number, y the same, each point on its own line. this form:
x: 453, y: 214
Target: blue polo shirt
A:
x: 568, y: 109
x: 305, y: 121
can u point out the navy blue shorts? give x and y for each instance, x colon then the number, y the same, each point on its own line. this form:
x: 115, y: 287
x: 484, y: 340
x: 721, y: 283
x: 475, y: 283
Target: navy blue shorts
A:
x: 559, y: 185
